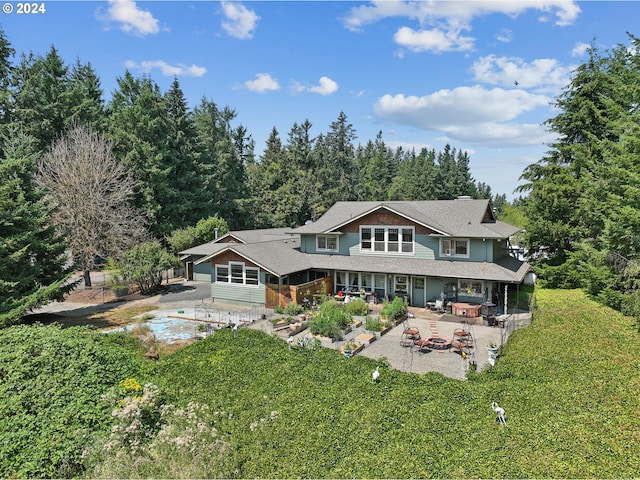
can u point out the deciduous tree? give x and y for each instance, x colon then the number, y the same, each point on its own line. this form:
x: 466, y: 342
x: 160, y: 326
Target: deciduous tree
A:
x: 90, y: 192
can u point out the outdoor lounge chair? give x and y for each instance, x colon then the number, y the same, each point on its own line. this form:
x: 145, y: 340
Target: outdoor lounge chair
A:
x: 438, y: 306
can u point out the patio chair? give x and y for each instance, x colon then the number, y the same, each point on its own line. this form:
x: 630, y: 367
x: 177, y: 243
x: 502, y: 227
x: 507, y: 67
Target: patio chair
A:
x: 438, y: 306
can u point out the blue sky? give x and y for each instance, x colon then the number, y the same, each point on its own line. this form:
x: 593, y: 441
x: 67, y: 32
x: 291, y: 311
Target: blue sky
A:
x: 425, y: 73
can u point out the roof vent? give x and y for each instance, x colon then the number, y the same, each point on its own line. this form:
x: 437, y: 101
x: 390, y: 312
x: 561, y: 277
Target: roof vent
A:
x: 464, y: 197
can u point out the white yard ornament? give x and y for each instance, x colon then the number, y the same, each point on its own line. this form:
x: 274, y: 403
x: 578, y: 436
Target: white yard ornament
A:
x: 502, y: 415
x: 375, y: 375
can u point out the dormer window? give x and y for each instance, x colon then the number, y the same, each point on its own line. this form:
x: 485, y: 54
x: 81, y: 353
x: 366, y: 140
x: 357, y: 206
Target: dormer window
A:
x: 381, y: 239
x: 454, y: 247
x: 327, y: 243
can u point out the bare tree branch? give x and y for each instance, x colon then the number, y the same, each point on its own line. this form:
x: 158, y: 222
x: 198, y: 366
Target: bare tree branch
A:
x: 91, y: 192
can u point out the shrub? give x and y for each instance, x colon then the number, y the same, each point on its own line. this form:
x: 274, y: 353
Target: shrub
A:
x: 330, y: 320
x: 357, y: 307
x: 395, y: 309
x: 372, y: 324
x: 51, y: 380
x: 152, y: 439
x: 293, y: 308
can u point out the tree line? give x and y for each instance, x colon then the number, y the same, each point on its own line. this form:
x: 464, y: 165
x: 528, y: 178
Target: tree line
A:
x: 582, y: 203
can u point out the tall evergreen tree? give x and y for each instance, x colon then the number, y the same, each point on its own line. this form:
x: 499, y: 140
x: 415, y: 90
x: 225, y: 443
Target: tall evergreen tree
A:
x: 32, y: 258
x: 263, y: 179
x: 416, y: 178
x: 87, y: 105
x: 564, y: 204
x: 377, y: 169
x: 185, y: 201
x: 220, y: 162
x: 42, y: 97
x: 6, y: 68
x: 335, y: 154
x: 583, y: 195
x: 138, y: 125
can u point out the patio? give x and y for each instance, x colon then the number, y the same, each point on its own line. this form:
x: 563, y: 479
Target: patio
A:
x: 447, y: 361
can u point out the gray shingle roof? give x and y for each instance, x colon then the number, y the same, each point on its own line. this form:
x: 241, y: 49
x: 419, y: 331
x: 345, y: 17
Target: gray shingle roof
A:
x: 506, y: 269
x: 244, y: 236
x: 454, y: 218
x: 280, y: 257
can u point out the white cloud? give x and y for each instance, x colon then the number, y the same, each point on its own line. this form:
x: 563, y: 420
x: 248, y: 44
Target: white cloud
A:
x: 455, y: 12
x: 447, y: 19
x: 470, y: 114
x: 262, y: 83
x: 543, y: 73
x: 131, y: 18
x: 325, y: 87
x: 432, y: 40
x: 504, y: 36
x: 167, y: 70
x: 240, y: 21
x: 580, y: 49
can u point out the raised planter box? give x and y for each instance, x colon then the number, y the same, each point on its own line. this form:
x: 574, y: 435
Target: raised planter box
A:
x: 365, y: 338
x: 384, y: 331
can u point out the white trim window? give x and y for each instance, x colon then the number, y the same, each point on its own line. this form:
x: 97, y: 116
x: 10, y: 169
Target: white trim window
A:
x: 454, y: 247
x: 401, y: 284
x: 392, y: 239
x: 471, y: 288
x: 237, y: 273
x: 327, y: 243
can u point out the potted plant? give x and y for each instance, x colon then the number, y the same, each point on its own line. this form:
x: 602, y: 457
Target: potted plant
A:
x: 347, y: 349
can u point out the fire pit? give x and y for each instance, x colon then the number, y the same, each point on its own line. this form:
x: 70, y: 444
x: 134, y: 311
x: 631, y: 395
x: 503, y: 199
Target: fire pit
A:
x: 434, y: 343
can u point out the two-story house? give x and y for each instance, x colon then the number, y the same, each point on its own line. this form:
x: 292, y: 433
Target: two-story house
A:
x: 419, y: 250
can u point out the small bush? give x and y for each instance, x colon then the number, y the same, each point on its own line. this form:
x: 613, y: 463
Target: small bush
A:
x: 330, y: 320
x: 293, y: 308
x: 395, y: 309
x: 372, y: 324
x: 357, y: 307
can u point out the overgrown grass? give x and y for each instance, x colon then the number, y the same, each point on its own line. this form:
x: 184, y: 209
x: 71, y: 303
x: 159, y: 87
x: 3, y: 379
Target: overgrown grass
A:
x: 569, y: 385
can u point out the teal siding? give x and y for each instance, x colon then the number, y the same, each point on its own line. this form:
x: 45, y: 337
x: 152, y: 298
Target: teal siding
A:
x: 202, y: 272
x: 238, y: 294
x: 426, y: 247
x: 480, y: 250
x: 308, y: 245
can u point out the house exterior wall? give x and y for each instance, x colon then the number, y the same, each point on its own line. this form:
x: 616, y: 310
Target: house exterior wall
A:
x: 235, y: 293
x: 239, y: 294
x: 202, y: 272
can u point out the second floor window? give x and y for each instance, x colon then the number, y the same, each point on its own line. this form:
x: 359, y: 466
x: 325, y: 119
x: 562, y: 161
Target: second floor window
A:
x: 386, y: 239
x: 454, y: 247
x: 327, y: 243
